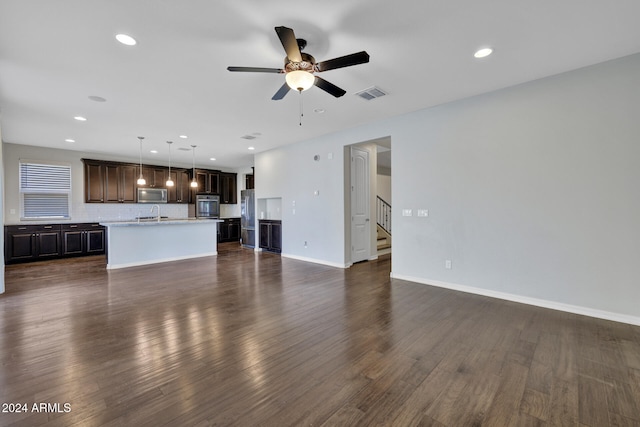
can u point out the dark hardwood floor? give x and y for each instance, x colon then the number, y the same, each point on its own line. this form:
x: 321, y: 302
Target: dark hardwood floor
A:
x: 250, y: 339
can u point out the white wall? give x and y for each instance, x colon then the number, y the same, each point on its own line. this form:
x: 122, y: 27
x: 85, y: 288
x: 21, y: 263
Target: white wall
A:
x: 1, y: 212
x: 532, y: 192
x: 384, y: 187
x: 81, y: 211
x: 294, y: 175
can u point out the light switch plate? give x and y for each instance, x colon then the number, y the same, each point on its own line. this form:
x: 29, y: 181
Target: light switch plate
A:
x: 407, y: 212
x: 423, y: 212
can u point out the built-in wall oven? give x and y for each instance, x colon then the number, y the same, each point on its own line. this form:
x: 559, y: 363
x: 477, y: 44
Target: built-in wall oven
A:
x: 207, y: 206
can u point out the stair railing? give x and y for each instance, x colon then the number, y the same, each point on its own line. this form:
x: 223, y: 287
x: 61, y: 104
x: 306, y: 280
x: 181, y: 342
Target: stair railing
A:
x: 383, y: 214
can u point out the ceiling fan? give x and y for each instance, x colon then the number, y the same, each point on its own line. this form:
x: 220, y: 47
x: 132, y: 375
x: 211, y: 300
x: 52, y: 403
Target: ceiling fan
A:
x: 299, y: 67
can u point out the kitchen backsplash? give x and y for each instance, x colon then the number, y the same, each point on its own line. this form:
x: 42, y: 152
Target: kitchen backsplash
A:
x: 230, y: 211
x: 97, y: 212
x: 88, y: 212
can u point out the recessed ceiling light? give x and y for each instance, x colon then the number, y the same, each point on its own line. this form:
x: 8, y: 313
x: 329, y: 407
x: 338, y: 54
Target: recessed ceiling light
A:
x: 154, y: 151
x: 483, y: 52
x: 213, y: 159
x: 251, y: 148
x: 69, y: 140
x: 97, y: 98
x: 80, y: 118
x: 126, y: 39
x: 183, y: 136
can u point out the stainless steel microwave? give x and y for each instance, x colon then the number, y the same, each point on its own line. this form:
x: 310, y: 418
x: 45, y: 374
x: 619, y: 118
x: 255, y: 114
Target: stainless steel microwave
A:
x: 152, y: 195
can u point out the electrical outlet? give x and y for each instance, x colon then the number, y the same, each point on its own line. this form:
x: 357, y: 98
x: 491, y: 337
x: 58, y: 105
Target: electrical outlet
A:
x: 423, y: 212
x: 407, y: 212
x: 447, y: 264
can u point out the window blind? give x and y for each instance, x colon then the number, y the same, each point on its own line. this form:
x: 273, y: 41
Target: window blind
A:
x: 45, y: 190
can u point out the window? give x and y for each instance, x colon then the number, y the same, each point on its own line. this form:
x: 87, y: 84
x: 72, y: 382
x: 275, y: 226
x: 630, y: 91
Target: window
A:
x: 45, y: 190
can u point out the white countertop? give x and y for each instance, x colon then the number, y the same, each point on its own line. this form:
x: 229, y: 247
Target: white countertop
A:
x: 153, y: 222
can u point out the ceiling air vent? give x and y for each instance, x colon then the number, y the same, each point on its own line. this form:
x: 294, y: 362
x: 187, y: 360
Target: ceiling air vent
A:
x: 371, y: 93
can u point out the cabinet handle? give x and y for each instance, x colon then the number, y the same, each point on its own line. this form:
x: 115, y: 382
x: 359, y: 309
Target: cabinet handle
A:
x: 73, y: 226
x: 22, y: 228
x: 48, y: 226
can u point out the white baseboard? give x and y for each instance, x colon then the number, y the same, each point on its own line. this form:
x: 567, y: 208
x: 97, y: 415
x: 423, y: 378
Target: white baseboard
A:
x: 157, y: 261
x: 575, y: 309
x: 315, y: 261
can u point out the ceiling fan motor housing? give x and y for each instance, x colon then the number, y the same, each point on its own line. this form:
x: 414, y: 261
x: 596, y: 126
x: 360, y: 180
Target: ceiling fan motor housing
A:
x: 307, y: 64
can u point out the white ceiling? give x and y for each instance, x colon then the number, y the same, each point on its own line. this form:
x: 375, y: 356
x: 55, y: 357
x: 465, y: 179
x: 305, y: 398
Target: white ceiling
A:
x: 55, y: 54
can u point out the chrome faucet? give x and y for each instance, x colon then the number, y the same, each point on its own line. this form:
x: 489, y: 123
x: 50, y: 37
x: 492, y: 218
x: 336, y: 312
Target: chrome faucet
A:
x: 156, y: 206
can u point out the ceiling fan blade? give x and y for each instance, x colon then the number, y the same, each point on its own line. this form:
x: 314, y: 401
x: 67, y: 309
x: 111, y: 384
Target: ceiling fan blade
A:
x: 284, y: 89
x: 256, y: 69
x: 290, y: 44
x: 330, y: 88
x: 343, y: 61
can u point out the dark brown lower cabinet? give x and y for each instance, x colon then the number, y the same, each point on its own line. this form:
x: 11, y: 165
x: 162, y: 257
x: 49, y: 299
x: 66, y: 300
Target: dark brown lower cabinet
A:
x: 270, y: 235
x: 31, y: 242
x: 24, y: 243
x: 83, y: 239
x: 229, y: 230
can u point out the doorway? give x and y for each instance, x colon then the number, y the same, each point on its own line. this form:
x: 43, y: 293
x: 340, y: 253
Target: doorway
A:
x: 367, y: 178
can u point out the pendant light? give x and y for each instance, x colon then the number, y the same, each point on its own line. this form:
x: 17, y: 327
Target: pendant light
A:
x: 169, y: 182
x: 194, y: 183
x: 141, y: 180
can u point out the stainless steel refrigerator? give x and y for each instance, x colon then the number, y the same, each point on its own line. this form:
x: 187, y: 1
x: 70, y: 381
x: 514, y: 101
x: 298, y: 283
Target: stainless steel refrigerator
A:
x: 247, y: 218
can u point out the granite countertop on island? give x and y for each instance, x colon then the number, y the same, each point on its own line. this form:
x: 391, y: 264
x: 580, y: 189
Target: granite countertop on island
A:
x: 163, y: 221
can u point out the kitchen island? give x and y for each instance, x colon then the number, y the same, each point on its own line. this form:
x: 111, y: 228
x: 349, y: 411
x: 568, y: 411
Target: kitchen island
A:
x: 133, y: 243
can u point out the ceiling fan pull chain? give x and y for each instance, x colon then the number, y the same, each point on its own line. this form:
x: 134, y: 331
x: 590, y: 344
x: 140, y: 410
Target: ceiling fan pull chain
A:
x: 301, y: 107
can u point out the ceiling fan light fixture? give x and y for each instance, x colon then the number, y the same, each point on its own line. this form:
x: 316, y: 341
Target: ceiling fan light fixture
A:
x: 299, y: 80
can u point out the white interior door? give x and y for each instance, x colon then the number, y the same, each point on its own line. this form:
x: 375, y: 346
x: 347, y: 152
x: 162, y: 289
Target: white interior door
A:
x: 360, y: 215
